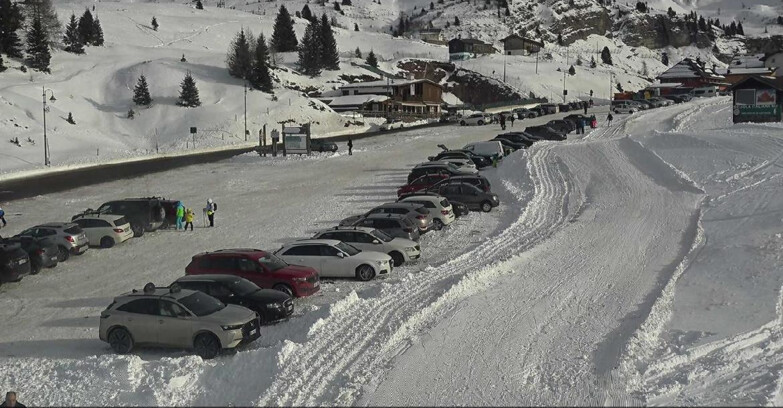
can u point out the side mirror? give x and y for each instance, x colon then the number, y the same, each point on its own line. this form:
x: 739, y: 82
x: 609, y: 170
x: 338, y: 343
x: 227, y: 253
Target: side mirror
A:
x: 376, y: 242
x: 340, y: 255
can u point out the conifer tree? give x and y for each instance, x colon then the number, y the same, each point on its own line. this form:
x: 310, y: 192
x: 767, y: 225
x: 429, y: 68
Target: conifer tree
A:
x: 456, y: 21
x: 310, y: 50
x: 593, y: 64
x: 260, y: 77
x: 240, y: 57
x: 188, y: 94
x: 671, y: 12
x: 306, y: 13
x: 357, y: 53
x: 337, y: 6
x: 38, y: 56
x: 606, y: 56
x: 11, y: 21
x: 372, y: 60
x: 560, y: 39
x: 665, y: 59
x: 50, y: 24
x: 2, y: 66
x: 284, y: 37
x: 740, y: 30
x: 70, y: 119
x: 72, y: 40
x: 141, y: 93
x: 579, y: 60
x: 97, y: 32
x: 330, y: 57
x: 154, y: 23
x: 199, y: 5
x: 86, y: 27
x: 355, y: 27
x: 572, y: 71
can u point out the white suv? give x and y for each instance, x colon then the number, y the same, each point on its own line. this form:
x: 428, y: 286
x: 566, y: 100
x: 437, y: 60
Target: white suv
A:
x: 332, y: 258
x: 474, y: 119
x: 438, y: 206
x: 624, y: 108
x: 401, y: 250
x: 104, y: 229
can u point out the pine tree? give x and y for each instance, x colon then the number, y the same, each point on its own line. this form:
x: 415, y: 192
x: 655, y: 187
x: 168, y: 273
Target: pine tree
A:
x: 284, y: 37
x: 141, y: 93
x: 131, y: 113
x: 199, y: 5
x: 11, y: 21
x: 560, y: 39
x: 572, y: 71
x: 606, y: 56
x: 240, y: 56
x: 188, y: 94
x: 456, y: 21
x: 371, y: 59
x: 665, y: 59
x: 260, y: 77
x: 702, y: 24
x: 70, y: 119
x: 732, y: 31
x: 593, y: 64
x: 337, y: 6
x: 306, y: 13
x: 310, y: 50
x: 86, y: 27
x: 357, y: 53
x: 432, y: 6
x: 740, y: 30
x: 97, y: 32
x: 579, y: 60
x: 330, y: 56
x: 355, y: 27
x: 780, y: 20
x: 347, y: 3
x: 671, y: 12
x: 72, y: 40
x: 2, y: 66
x: 50, y: 24
x: 154, y: 23
x: 38, y: 56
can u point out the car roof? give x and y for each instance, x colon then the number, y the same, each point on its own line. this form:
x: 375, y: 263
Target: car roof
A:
x: 209, y: 277
x: 394, y: 216
x: 97, y: 215
x: 235, y: 251
x: 435, y: 163
x: 159, y: 292
x: 309, y: 241
x: 345, y: 228
x: 55, y: 225
x: 423, y: 195
x: 394, y: 205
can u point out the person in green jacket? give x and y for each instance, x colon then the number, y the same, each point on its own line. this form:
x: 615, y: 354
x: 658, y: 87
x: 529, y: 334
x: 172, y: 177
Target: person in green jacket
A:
x: 180, y: 215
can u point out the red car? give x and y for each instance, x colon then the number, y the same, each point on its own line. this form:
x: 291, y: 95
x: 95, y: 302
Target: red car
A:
x: 260, y: 267
x: 421, y: 183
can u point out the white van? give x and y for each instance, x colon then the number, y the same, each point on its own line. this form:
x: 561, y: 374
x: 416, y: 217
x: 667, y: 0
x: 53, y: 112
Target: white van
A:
x: 486, y: 149
x: 704, y: 91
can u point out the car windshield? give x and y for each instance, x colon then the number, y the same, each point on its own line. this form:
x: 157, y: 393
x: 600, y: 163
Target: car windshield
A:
x: 120, y: 222
x: 272, y: 262
x: 444, y: 203
x: 451, y: 166
x: 202, y: 304
x: 73, y: 230
x: 348, y: 249
x: 243, y: 287
x: 381, y: 235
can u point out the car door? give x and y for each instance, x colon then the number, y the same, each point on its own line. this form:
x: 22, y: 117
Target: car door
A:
x: 471, y: 194
x: 175, y: 325
x: 332, y: 264
x: 139, y: 317
x: 248, y: 269
x: 305, y: 255
x: 366, y: 242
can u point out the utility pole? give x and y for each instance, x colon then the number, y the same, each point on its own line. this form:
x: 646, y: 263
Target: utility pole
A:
x: 537, y: 62
x: 47, y: 162
x: 611, y: 74
x: 564, y: 86
x: 504, y: 64
x: 245, y: 83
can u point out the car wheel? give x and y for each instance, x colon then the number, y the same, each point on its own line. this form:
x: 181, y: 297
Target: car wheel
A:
x: 284, y: 288
x: 207, y: 346
x: 365, y: 273
x: 397, y: 258
x: 120, y: 340
x: 481, y: 123
x: 107, y: 242
x: 62, y: 254
x: 486, y: 206
x: 437, y: 224
x: 35, y: 267
x: 462, y: 123
x: 138, y: 229
x: 630, y: 111
x: 321, y: 149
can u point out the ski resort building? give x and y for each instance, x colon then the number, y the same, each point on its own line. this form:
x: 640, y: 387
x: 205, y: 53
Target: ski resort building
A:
x: 774, y: 61
x: 757, y: 99
x: 517, y: 45
x: 692, y: 74
x: 394, y: 98
x: 742, y: 67
x: 466, y: 48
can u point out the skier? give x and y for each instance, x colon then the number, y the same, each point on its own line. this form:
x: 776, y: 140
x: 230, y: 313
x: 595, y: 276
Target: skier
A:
x: 180, y: 214
x: 609, y: 119
x: 189, y: 215
x: 210, y: 210
x: 2, y: 217
x: 350, y: 147
x: 502, y: 119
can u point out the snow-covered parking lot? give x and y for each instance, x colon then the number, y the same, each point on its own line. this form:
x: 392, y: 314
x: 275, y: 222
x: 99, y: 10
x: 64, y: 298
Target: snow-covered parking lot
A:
x: 638, y: 264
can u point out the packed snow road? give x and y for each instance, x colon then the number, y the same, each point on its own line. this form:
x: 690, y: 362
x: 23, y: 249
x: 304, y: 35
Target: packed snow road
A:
x: 589, y: 285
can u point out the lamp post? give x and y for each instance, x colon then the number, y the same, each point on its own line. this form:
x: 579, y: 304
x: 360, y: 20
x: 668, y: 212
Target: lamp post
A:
x: 245, y: 82
x: 611, y: 78
x: 47, y: 162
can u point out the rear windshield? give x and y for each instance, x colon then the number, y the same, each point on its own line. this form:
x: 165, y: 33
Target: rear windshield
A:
x: 120, y: 222
x: 422, y: 210
x: 202, y: 304
x: 73, y: 230
x: 445, y: 203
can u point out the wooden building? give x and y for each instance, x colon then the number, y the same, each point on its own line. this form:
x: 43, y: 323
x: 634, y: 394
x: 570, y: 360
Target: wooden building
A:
x: 406, y: 97
x: 466, y: 48
x: 692, y: 74
x: 517, y: 45
x: 757, y: 99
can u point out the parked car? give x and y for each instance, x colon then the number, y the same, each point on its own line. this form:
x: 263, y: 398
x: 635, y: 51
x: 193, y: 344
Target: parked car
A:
x: 562, y: 126
x: 42, y: 252
x: 260, y: 267
x: 545, y: 132
x: 539, y: 111
x: 392, y: 224
x: 523, y: 113
x: 437, y: 168
x: 170, y: 209
x: 463, y: 164
x: 105, y: 230
x: 179, y: 318
x: 400, y: 250
x: 549, y: 108
x: 460, y: 167
x: 475, y: 198
x: 476, y: 180
x: 564, y: 107
x: 478, y: 161
x: 575, y: 118
x: 624, y: 108
x: 438, y: 206
x: 14, y: 262
x: 69, y: 238
x: 320, y: 145
x: 143, y: 214
x: 518, y: 137
x: 574, y: 105
x: 460, y: 209
x: 271, y: 305
x: 490, y: 150
x: 392, y: 124
x: 415, y: 212
x: 509, y: 146
x: 335, y: 259
x: 421, y: 183
x: 475, y: 119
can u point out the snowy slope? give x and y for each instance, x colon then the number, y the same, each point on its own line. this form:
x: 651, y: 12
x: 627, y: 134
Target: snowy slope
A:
x: 755, y: 15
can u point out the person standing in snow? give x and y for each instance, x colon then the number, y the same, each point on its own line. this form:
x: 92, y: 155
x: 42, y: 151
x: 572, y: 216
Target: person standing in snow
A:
x: 189, y: 219
x: 211, y: 209
x: 10, y: 401
x: 584, y: 105
x: 502, y: 119
x: 609, y: 118
x: 2, y: 217
x: 180, y: 214
x: 350, y: 147
x: 511, y: 119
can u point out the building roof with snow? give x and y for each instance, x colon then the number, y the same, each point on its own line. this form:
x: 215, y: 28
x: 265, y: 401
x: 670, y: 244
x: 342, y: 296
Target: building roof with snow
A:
x: 747, y: 61
x: 389, y: 83
x: 690, y: 71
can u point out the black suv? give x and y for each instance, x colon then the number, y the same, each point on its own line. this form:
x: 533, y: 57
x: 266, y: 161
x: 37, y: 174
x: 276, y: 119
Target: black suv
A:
x: 470, y: 195
x: 14, y: 262
x: 271, y: 305
x: 477, y: 180
x: 42, y: 252
x: 143, y: 214
x: 479, y: 161
x: 417, y: 172
x: 545, y: 132
x: 318, y: 145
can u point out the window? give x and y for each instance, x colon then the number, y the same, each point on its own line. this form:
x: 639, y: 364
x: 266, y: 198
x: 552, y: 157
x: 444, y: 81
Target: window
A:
x: 198, y: 286
x: 223, y: 262
x: 245, y: 265
x: 120, y: 222
x: 171, y: 309
x: 445, y: 203
x: 140, y: 306
x: 202, y: 304
x: 304, y: 250
x: 272, y: 262
x: 333, y: 235
x: 205, y: 263
x: 363, y: 238
x: 386, y: 224
x: 348, y: 249
x: 46, y: 232
x: 102, y: 223
x: 218, y: 290
x: 745, y: 97
x: 327, y: 250
x: 72, y: 230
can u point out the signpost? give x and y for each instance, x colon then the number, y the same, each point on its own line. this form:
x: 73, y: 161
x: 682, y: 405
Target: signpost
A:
x: 275, y: 138
x: 296, y: 139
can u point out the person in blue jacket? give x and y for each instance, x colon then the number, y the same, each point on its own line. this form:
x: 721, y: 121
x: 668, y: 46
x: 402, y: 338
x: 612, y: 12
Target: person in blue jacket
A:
x: 2, y: 217
x: 180, y: 214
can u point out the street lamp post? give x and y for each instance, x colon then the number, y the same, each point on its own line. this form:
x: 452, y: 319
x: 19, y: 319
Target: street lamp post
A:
x: 245, y: 109
x: 47, y: 162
